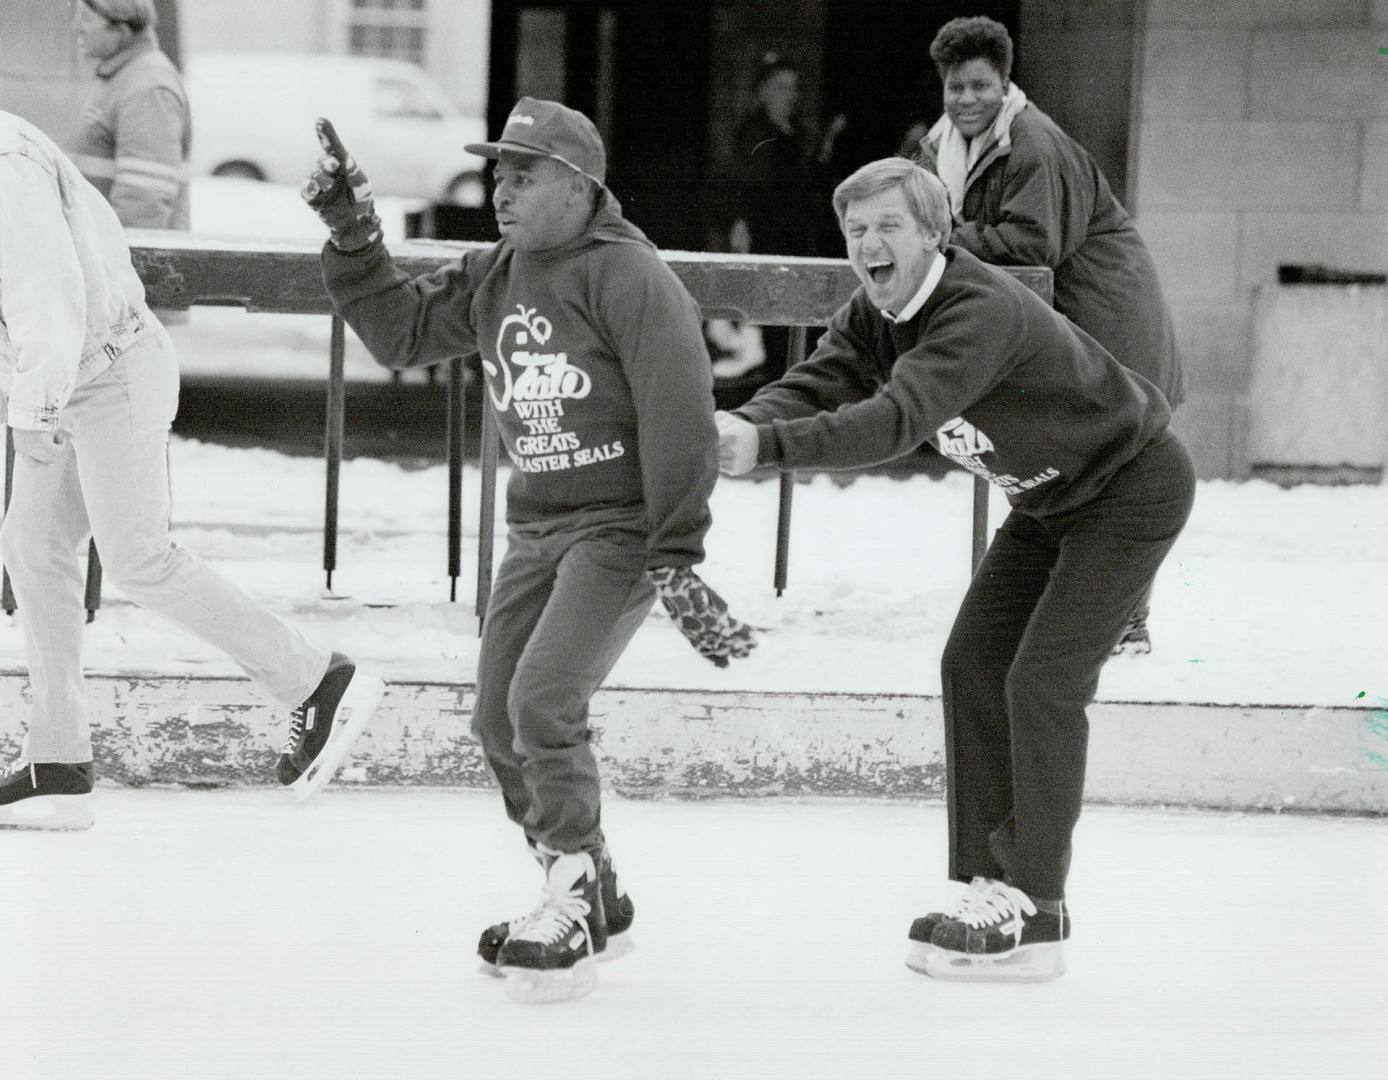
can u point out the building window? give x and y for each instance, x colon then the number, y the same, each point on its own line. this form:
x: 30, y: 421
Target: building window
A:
x: 391, y: 28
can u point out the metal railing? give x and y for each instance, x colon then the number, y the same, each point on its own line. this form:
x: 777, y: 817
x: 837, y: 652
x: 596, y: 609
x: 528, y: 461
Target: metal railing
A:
x: 185, y: 270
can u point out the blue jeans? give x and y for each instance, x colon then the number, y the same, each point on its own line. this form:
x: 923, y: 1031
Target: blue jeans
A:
x: 112, y: 482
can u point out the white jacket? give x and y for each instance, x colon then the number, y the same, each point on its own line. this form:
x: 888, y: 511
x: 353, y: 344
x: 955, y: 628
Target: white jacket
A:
x: 70, y: 300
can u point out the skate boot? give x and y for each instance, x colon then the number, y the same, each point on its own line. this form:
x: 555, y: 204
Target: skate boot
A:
x: 323, y: 728
x: 616, y: 904
x: 922, y: 928
x: 1005, y: 936
x: 35, y: 795
x: 1134, y: 640
x: 552, y: 955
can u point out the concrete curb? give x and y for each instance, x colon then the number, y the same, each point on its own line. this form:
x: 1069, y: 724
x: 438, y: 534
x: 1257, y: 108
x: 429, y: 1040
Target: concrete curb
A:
x: 152, y: 728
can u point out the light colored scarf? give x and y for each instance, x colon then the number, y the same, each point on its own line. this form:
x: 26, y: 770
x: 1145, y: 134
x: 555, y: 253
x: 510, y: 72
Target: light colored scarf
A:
x: 956, y: 156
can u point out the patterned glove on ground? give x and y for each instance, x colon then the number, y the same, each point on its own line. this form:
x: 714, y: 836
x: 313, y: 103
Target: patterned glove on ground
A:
x: 339, y: 192
x: 701, y: 615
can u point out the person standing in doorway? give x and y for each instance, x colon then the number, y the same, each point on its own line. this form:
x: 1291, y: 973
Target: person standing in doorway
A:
x: 1023, y: 192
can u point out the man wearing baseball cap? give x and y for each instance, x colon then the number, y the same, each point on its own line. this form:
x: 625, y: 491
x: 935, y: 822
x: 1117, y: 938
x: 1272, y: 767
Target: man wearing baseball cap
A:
x: 599, y: 382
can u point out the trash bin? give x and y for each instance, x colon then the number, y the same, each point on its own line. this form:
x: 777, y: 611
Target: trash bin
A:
x: 1318, y: 391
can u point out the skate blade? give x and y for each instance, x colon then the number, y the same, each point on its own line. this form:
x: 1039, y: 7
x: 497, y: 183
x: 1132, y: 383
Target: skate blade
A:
x: 917, y: 955
x: 618, y: 946
x: 55, y: 813
x: 358, y: 704
x: 546, y: 987
x: 1026, y: 964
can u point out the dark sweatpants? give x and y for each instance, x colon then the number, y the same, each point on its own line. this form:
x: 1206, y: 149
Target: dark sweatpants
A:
x: 1043, y: 612
x: 568, y: 598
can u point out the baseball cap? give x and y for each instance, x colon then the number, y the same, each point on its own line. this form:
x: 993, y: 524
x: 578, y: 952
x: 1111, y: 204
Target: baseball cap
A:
x: 552, y: 130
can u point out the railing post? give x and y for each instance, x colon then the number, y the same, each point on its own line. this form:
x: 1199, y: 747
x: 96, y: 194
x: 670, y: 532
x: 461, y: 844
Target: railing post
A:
x: 457, y: 415
x: 332, y: 442
x: 93, y: 596
x: 7, y: 593
x: 795, y: 352
x: 980, y: 539
x: 486, y: 512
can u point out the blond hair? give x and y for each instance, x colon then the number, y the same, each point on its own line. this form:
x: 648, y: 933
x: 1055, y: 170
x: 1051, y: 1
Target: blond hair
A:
x: 925, y: 194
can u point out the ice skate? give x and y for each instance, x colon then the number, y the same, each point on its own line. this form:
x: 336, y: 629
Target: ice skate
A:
x: 323, y: 729
x: 1005, y: 936
x: 617, y: 906
x: 54, y: 796
x: 922, y: 928
x: 552, y: 955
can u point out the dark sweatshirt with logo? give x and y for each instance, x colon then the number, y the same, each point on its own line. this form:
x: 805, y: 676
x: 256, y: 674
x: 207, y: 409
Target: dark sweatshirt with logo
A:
x: 985, y: 372
x: 594, y: 365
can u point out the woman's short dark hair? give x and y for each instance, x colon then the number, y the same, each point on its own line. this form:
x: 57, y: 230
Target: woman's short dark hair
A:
x: 962, y: 40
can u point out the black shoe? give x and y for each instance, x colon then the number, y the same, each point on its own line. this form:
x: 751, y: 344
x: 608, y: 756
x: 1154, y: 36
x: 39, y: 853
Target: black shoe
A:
x: 617, y: 906
x: 923, y: 928
x: 323, y: 728
x: 552, y: 955
x: 46, y: 795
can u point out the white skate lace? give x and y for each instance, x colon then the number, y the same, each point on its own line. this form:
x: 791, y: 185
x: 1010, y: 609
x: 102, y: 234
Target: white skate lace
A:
x: 558, y: 910
x: 15, y: 768
x: 978, y: 888
x: 296, y: 729
x: 997, y: 904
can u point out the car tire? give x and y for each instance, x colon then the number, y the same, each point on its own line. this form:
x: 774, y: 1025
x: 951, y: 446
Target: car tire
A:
x: 466, y: 189
x: 239, y: 170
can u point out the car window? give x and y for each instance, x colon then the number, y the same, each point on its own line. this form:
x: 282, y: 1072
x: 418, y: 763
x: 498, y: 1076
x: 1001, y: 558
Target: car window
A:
x: 397, y: 97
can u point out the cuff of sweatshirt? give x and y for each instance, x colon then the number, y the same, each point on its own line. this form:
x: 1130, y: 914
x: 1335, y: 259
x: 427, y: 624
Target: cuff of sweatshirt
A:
x: 768, y: 445
x: 45, y: 419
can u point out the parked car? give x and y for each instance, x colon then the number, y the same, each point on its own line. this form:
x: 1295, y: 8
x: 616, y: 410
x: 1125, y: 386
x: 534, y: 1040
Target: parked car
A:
x: 253, y: 116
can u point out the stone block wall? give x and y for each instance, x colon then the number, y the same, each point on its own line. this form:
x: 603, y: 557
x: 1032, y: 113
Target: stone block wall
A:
x: 1260, y: 138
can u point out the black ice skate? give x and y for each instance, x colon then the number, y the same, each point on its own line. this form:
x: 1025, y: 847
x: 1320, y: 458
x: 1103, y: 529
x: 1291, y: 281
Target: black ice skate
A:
x: 1005, y: 936
x: 617, y: 905
x: 922, y: 928
x: 35, y: 795
x: 552, y: 955
x: 323, y: 728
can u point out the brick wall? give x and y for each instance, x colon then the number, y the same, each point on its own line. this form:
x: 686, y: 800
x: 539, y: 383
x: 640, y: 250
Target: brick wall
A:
x: 1262, y: 138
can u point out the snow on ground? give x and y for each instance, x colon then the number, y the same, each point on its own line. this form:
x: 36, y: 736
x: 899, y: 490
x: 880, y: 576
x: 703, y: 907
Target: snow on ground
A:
x: 1270, y: 596
x: 232, y: 936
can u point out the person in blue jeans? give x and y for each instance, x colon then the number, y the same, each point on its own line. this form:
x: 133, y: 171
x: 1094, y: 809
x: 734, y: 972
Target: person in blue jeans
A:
x: 597, y: 377
x: 89, y: 382
x: 936, y: 346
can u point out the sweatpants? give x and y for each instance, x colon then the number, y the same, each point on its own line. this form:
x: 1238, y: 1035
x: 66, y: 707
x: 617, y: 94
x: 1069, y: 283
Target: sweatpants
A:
x: 1022, y: 663
x: 569, y: 596
x: 112, y: 482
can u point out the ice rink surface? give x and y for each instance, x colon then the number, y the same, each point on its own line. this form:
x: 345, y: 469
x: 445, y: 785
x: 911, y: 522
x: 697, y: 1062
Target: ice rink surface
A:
x: 204, y: 935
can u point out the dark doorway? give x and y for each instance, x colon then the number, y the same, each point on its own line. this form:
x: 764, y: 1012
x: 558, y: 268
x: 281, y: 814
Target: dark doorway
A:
x: 878, y: 73
x: 641, y: 71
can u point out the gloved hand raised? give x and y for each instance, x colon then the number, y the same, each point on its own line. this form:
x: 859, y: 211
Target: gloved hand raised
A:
x: 701, y: 615
x: 339, y: 192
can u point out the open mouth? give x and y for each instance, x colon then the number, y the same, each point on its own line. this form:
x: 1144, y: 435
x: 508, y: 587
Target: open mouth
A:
x: 880, y: 270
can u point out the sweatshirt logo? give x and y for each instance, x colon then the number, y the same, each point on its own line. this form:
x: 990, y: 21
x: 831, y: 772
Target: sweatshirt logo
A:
x: 959, y: 438
x: 524, y: 370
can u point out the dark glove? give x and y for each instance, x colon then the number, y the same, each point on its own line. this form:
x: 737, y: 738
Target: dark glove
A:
x: 701, y: 615
x: 339, y: 192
